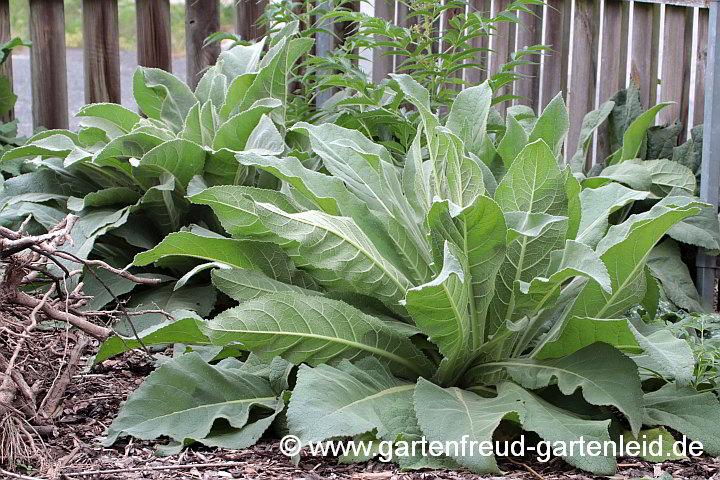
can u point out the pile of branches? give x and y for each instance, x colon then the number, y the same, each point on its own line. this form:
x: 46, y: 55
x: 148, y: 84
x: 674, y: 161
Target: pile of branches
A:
x: 41, y: 281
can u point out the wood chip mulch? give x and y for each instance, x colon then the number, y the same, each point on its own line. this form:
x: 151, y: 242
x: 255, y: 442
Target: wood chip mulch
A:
x: 68, y: 443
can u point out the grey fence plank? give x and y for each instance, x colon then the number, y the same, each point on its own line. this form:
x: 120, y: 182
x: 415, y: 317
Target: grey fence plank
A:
x: 247, y: 13
x: 584, y: 66
x: 529, y: 33
x: 613, y: 61
x: 557, y: 37
x: 475, y: 76
x: 675, y: 82
x: 202, y: 18
x: 48, y: 64
x: 382, y: 64
x: 701, y: 63
x: 154, y: 46
x: 101, y: 44
x: 644, y: 51
x: 502, y: 45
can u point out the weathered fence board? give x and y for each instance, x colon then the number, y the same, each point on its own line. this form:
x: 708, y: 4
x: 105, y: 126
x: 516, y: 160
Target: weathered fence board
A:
x: 675, y: 81
x: 382, y: 62
x: 502, y: 44
x: 48, y: 64
x: 701, y: 64
x: 202, y: 18
x: 154, y: 44
x: 643, y: 51
x: 613, y: 60
x: 555, y: 63
x: 101, y: 43
x: 476, y: 75
x: 581, y: 93
x: 247, y: 13
x: 529, y: 33
x: 6, y: 68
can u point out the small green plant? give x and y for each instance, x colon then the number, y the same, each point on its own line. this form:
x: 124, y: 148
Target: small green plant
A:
x: 436, y: 299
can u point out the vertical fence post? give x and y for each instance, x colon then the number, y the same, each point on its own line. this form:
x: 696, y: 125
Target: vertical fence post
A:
x: 202, y: 18
x: 584, y: 66
x: 555, y: 63
x: 644, y: 50
x: 710, y: 169
x: 675, y: 81
x: 48, y: 64
x: 382, y: 64
x: 502, y: 45
x: 6, y: 68
x: 529, y: 33
x: 247, y: 13
x: 477, y: 75
x: 154, y: 44
x: 613, y: 61
x: 101, y: 43
x: 701, y: 62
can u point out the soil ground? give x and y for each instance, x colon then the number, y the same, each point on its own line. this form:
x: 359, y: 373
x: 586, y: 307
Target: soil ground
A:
x: 68, y: 447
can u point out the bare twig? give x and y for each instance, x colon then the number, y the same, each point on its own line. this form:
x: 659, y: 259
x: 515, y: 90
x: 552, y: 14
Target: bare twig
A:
x: 99, y: 263
x: 96, y: 331
x: 17, y: 475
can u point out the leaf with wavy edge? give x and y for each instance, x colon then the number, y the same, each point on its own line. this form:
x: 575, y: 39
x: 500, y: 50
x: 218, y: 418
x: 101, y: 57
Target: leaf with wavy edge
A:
x: 314, y: 330
x: 183, y: 398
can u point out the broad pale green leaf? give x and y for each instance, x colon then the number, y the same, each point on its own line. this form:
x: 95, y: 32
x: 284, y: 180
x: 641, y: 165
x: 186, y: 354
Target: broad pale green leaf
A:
x: 479, y: 231
x: 273, y: 76
x: 598, y: 204
x: 580, y: 332
x: 57, y: 145
x: 132, y: 145
x: 667, y: 175
x: 241, y: 59
x: 528, y: 224
x: 181, y: 158
x: 554, y: 424
x: 162, y: 96
x: 591, y: 122
x: 121, y: 196
x: 330, y: 195
x: 180, y: 331
x: 440, y: 308
x: 461, y: 177
x: 468, y: 115
x: 666, y: 354
x: 702, y: 229
x: 634, y: 136
x: 449, y: 414
x: 336, y: 253
x: 265, y: 138
x: 119, y: 116
x: 234, y: 134
x: 513, y: 142
x: 631, y: 173
x: 314, y: 330
x: 552, y: 125
x: 243, y: 285
x: 666, y: 264
x: 573, y: 190
x: 265, y: 257
x: 614, y: 381
x: 625, y: 250
x: 357, y: 399
x: 534, y: 185
x: 577, y: 260
x: 185, y: 396
x: 691, y: 413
